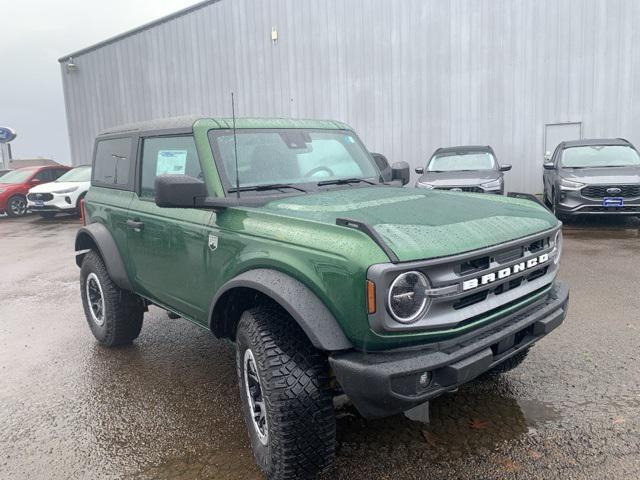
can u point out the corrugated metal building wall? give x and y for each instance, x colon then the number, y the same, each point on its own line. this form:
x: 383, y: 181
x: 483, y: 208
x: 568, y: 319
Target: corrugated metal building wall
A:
x: 408, y: 75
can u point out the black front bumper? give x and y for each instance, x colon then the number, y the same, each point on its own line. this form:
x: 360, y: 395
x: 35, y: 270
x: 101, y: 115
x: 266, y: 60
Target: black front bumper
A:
x: 382, y: 384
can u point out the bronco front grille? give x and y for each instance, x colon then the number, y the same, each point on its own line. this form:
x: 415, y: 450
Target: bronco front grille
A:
x: 45, y: 197
x: 600, y: 191
x: 530, y: 275
x: 467, y: 285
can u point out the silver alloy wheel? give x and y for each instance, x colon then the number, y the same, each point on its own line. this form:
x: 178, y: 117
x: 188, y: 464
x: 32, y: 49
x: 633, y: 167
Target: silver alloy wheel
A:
x: 95, y: 298
x: 18, y: 206
x: 253, y: 390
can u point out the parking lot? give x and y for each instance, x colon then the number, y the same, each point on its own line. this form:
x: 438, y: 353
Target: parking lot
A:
x: 167, y: 407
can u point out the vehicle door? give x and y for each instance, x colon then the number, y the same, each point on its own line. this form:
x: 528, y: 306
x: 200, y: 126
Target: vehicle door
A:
x: 168, y: 246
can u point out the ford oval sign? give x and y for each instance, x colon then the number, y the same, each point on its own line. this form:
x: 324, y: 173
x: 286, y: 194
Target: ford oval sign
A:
x: 7, y: 134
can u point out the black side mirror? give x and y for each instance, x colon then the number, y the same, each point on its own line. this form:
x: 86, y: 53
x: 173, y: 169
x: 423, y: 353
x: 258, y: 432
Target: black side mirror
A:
x: 419, y: 170
x: 179, y: 191
x: 549, y: 166
x: 505, y: 167
x: 401, y: 171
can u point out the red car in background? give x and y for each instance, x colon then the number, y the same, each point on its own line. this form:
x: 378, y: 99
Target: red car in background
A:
x: 15, y: 185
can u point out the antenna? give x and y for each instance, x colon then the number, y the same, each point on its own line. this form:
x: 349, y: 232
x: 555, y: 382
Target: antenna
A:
x: 235, y: 144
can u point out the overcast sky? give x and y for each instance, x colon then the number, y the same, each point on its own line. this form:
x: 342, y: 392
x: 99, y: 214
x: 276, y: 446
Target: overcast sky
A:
x: 33, y: 35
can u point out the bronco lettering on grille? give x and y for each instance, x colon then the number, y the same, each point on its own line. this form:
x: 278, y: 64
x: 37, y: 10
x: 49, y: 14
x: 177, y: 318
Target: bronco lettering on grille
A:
x: 505, y: 272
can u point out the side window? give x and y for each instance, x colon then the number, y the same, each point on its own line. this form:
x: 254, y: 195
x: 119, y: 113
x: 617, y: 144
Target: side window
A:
x: 112, y: 165
x: 381, y: 161
x: 175, y: 155
x: 44, y: 176
x: 57, y: 173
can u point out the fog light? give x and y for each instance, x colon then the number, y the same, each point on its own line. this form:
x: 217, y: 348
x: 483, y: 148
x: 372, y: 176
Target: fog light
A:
x: 412, y: 384
x: 68, y: 200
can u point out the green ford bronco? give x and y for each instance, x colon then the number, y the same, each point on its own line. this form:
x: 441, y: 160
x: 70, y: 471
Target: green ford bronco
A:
x: 280, y: 236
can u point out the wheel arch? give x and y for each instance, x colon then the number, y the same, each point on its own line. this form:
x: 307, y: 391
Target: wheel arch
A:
x: 98, y: 238
x: 265, y: 285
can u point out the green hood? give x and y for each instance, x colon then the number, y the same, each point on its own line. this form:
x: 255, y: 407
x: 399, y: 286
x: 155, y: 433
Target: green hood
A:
x: 419, y: 224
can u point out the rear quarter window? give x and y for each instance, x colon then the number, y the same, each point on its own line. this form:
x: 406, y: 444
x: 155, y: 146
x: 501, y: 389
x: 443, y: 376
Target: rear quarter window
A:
x: 113, y: 164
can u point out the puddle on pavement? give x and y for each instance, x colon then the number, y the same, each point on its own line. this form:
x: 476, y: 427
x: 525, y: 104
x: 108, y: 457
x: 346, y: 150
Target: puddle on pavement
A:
x: 464, y: 422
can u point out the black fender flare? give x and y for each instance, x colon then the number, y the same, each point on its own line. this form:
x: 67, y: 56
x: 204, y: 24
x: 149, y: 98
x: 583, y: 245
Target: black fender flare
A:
x: 308, y: 311
x: 97, y: 234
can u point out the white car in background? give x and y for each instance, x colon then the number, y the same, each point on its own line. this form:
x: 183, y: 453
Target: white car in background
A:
x: 62, y: 195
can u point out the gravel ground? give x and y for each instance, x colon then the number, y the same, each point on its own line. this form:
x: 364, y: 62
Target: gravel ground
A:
x: 167, y: 407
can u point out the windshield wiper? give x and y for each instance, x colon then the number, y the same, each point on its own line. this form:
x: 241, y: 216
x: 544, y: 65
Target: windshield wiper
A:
x: 261, y: 188
x: 345, y: 181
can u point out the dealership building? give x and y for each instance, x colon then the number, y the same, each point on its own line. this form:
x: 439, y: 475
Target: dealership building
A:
x: 408, y: 75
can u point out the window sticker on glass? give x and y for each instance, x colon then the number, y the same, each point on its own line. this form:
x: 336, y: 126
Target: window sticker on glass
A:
x: 349, y: 139
x: 171, y: 162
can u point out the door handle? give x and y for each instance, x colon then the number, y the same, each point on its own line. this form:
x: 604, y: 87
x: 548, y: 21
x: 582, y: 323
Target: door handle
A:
x: 135, y: 225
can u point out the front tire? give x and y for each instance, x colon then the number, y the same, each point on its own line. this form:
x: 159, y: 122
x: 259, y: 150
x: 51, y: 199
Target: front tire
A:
x: 114, y: 315
x: 286, y: 397
x: 17, y: 206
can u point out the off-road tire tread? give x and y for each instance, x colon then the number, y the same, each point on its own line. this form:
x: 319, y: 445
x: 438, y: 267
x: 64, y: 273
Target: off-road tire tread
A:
x: 302, y: 428
x: 123, y: 307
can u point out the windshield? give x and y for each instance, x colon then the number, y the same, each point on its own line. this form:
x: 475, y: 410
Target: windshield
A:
x: 599, y: 156
x: 16, y: 176
x: 291, y: 156
x: 80, y: 174
x: 455, y: 162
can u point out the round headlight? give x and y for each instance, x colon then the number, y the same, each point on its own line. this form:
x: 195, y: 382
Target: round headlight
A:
x: 558, y: 244
x: 407, y: 297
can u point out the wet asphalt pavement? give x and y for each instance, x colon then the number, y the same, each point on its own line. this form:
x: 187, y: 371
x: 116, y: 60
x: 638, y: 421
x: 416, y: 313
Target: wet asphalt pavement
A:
x: 167, y: 407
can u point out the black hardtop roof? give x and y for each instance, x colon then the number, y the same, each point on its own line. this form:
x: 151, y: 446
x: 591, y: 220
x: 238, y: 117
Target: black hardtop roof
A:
x: 170, y: 123
x: 586, y: 142
x: 186, y: 123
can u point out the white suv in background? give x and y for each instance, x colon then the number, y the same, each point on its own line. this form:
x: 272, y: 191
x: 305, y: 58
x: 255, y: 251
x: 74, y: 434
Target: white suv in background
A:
x: 62, y: 195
